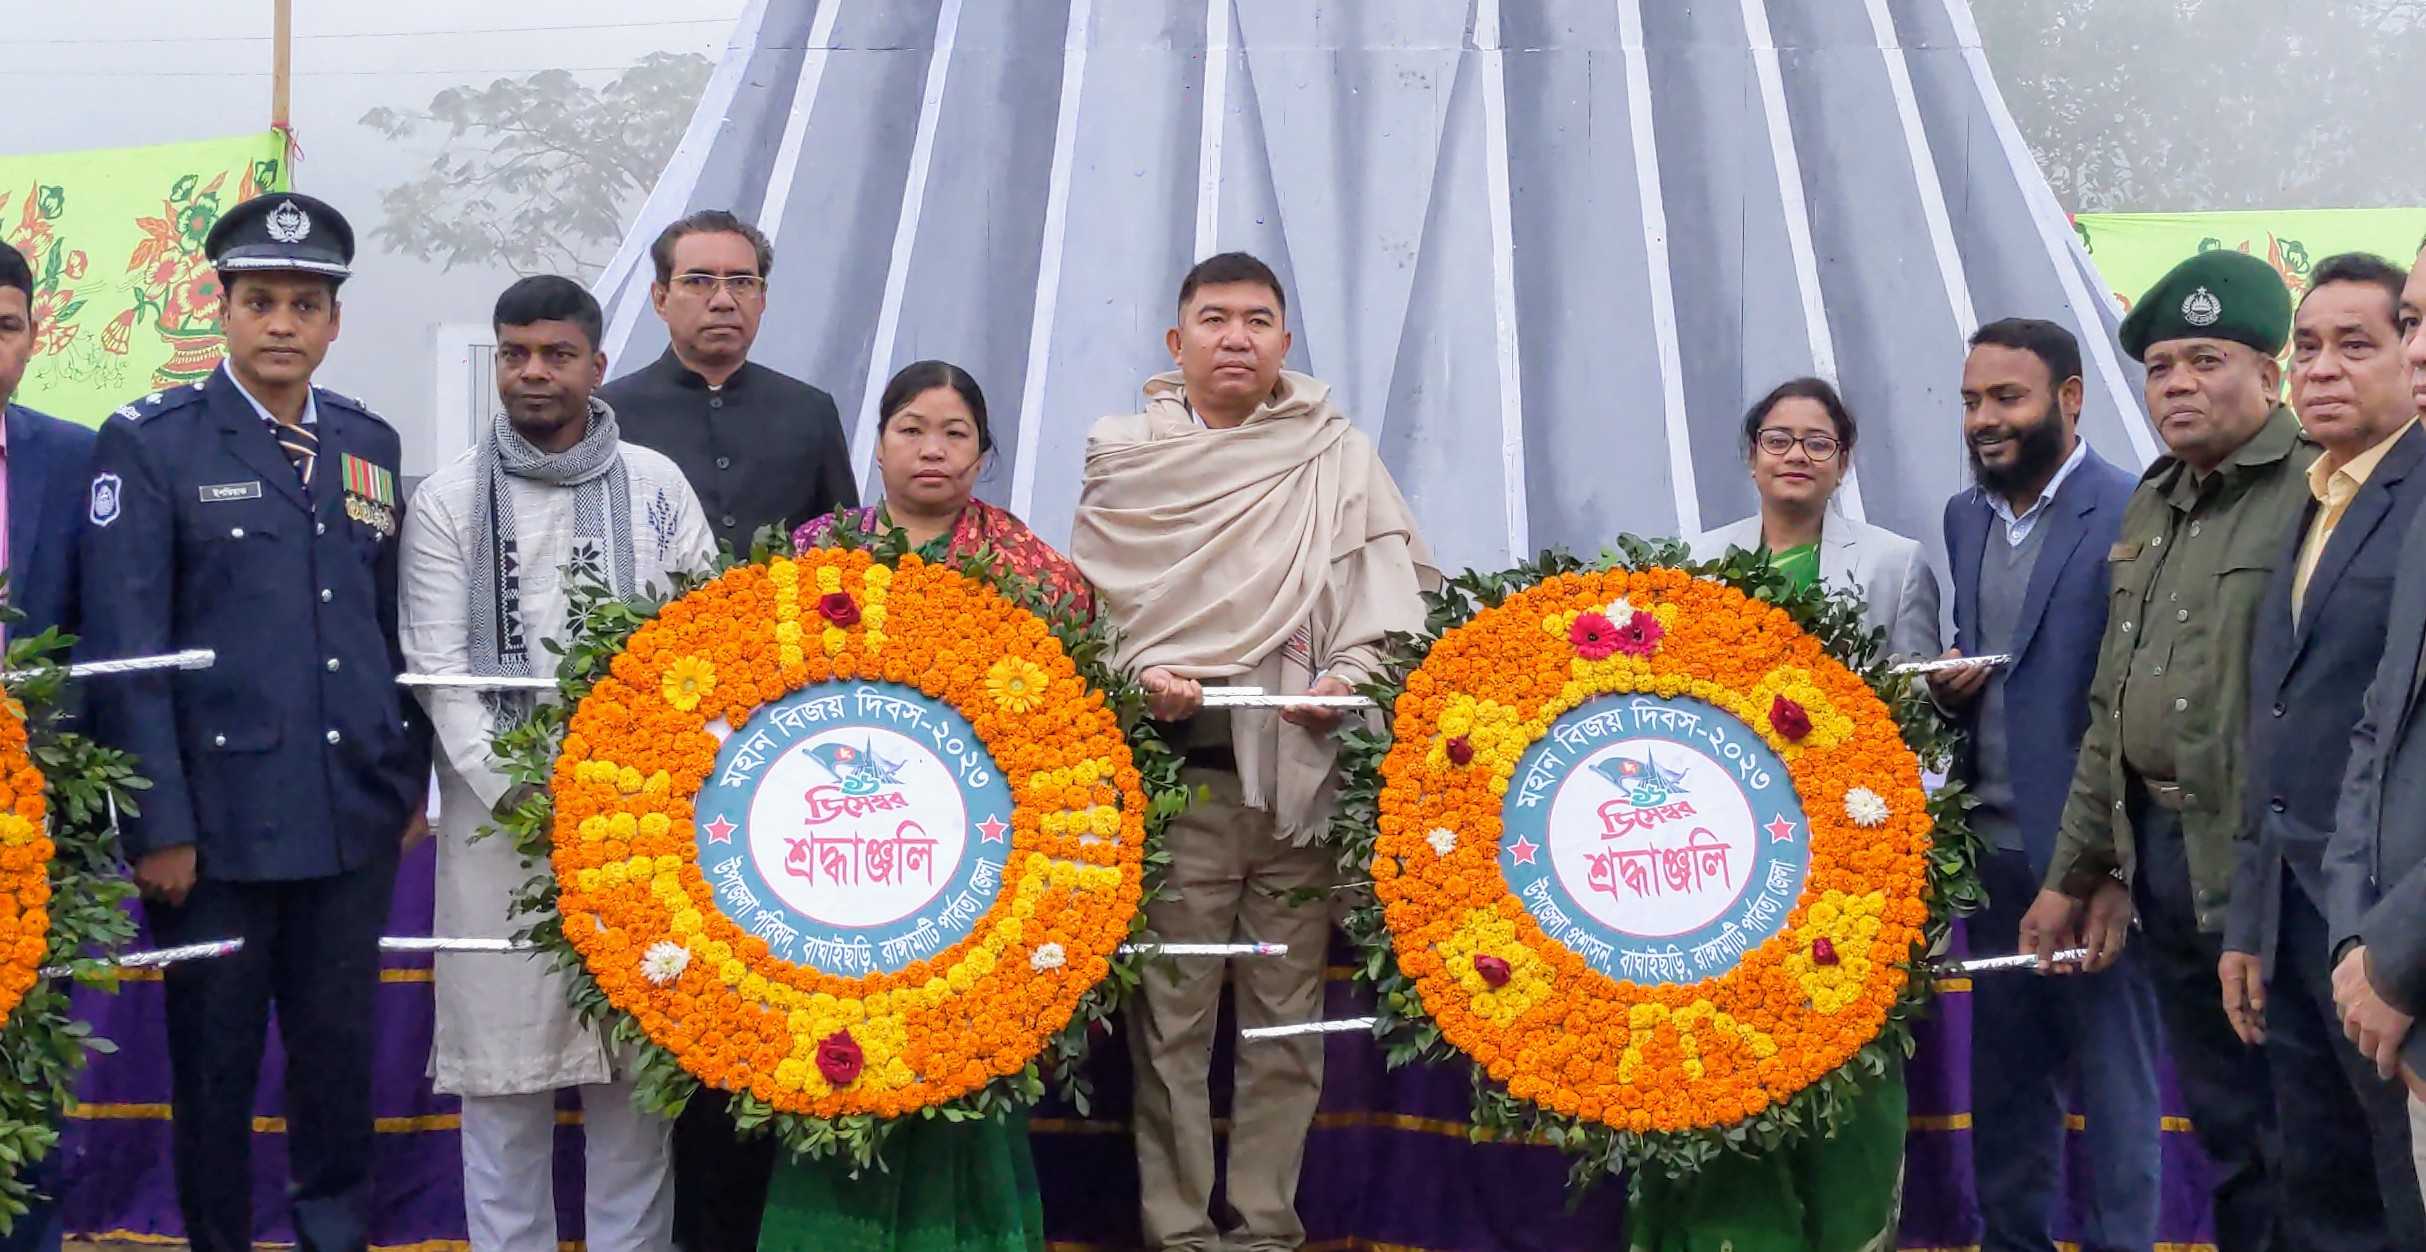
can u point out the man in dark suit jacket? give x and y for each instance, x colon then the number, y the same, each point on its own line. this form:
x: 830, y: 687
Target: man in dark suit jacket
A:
x: 43, y: 461
x: 2317, y: 641
x: 761, y: 450
x: 2374, y: 867
x: 2028, y: 551
x: 43, y: 464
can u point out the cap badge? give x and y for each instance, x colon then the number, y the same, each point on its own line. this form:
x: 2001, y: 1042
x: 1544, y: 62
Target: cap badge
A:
x: 2201, y: 308
x: 289, y: 224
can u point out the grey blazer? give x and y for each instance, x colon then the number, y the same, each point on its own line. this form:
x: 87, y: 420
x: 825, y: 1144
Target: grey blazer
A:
x: 1887, y: 570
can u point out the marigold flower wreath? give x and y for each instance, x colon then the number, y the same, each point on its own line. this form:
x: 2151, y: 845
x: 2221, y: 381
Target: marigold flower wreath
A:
x: 1650, y: 850
x: 62, y: 897
x: 923, y: 905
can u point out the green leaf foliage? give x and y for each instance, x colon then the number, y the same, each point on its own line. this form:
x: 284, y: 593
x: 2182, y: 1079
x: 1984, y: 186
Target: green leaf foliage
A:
x: 43, y: 1048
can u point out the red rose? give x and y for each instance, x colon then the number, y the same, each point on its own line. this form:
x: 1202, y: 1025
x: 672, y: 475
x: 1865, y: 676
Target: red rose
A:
x: 1593, y: 635
x: 839, y: 1058
x: 1493, y: 970
x: 1460, y: 751
x: 1640, y: 635
x: 1789, y: 719
x: 839, y: 609
x: 1822, y: 951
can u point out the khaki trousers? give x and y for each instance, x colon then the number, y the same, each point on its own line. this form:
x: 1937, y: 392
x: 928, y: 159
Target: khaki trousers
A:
x: 1231, y: 881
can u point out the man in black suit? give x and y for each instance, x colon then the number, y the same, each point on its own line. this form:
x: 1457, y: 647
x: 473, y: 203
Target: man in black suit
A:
x: 759, y: 447
x: 2348, y: 1181
x: 2375, y: 866
x: 761, y: 450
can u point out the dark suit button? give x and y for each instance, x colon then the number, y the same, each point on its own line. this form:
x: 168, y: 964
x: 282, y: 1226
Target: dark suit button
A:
x: 727, y: 521
x: 2276, y: 804
x: 2278, y: 710
x: 724, y: 462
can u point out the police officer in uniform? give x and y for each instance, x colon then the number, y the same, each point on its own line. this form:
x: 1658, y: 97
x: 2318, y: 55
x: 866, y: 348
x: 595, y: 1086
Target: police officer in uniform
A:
x: 256, y: 515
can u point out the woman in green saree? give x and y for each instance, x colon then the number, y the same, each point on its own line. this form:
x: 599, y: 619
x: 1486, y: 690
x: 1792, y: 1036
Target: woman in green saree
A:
x: 1840, y: 1194
x: 945, y: 1186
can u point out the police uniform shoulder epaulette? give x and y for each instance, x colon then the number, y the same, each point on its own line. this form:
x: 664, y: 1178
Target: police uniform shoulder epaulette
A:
x: 161, y: 402
x: 351, y: 404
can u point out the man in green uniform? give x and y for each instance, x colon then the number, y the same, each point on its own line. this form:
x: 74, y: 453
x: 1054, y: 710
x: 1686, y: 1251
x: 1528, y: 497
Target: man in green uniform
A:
x: 2156, y: 798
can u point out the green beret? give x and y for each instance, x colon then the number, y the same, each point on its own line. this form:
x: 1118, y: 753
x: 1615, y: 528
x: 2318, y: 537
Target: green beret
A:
x: 2218, y: 294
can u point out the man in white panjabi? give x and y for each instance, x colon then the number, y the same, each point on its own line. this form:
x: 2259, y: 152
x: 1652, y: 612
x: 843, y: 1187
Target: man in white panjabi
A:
x: 1241, y: 531
x: 487, y: 544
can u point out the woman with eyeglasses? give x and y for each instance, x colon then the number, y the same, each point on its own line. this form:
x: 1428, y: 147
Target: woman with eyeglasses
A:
x: 1800, y: 439
x: 1842, y: 1192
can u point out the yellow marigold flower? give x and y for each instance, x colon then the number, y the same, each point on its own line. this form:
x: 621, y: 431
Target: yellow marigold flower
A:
x: 1016, y: 683
x: 688, y: 681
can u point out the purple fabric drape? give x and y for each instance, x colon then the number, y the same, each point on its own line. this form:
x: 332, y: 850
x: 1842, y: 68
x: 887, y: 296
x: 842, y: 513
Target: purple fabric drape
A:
x: 1388, y: 1163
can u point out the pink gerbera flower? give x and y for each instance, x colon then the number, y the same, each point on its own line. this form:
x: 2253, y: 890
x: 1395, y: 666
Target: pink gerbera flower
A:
x: 1594, y: 636
x: 1640, y: 635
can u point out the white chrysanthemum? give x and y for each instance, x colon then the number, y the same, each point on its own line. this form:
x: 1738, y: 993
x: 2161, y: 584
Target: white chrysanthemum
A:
x: 1865, y: 807
x: 1047, y: 956
x: 1443, y: 841
x: 664, y: 962
x: 1620, y: 610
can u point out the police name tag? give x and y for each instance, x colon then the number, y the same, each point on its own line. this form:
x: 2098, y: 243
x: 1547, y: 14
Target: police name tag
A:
x: 221, y: 493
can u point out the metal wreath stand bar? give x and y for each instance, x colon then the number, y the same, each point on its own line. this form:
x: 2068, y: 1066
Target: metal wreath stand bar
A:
x: 1215, y: 697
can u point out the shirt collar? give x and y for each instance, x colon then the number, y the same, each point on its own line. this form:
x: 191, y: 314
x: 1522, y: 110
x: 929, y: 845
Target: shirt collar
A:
x: 2335, y: 486
x: 2276, y: 440
x: 686, y: 377
x: 311, y: 402
x: 2004, y: 510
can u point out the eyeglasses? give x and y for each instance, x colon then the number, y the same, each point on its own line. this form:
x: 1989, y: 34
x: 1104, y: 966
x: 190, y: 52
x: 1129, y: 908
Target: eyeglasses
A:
x: 1778, y: 441
x: 704, y: 285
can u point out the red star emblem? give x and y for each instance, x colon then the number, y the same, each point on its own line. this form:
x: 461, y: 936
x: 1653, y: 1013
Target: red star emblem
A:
x: 990, y: 830
x: 720, y: 831
x: 1780, y: 830
x: 1523, y: 850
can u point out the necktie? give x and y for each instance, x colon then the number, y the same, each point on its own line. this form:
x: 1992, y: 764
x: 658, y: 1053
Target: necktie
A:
x: 302, y: 448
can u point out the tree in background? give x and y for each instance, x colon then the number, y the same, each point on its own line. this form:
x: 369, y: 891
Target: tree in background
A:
x: 2185, y: 105
x: 539, y: 173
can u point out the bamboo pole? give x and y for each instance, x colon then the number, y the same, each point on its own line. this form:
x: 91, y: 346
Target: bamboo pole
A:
x: 282, y: 63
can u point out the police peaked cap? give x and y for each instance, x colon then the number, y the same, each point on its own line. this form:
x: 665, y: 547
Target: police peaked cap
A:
x: 282, y: 231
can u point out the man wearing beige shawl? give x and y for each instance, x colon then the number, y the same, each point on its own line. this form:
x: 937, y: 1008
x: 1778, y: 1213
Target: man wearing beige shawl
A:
x: 1239, y: 531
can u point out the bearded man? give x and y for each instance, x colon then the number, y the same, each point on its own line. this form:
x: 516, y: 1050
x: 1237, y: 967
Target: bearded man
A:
x: 2028, y: 549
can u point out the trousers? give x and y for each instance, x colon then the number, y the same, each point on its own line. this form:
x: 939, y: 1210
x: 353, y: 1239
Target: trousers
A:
x: 311, y: 947
x: 2030, y: 1039
x: 2348, y: 1183
x: 509, y: 1176
x: 1232, y: 880
x: 2224, y: 1082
